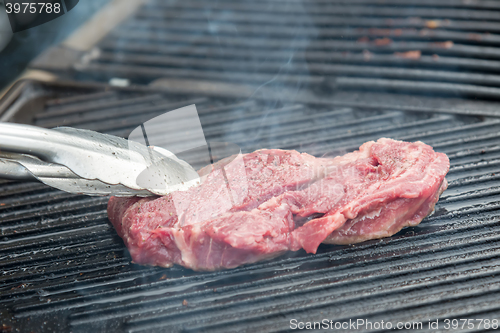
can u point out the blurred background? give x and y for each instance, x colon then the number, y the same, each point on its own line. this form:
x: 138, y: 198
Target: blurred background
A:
x: 336, y: 50
x: 17, y: 50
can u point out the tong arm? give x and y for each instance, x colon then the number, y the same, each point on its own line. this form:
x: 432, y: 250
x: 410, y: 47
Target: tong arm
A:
x: 110, y: 161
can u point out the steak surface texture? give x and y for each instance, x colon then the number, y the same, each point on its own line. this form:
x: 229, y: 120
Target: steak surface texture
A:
x: 257, y: 206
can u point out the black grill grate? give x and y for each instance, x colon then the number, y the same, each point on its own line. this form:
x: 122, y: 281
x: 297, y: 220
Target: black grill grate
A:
x: 64, y: 267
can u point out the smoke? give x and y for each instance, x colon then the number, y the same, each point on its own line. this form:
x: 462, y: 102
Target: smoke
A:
x: 271, y: 96
x: 226, y: 42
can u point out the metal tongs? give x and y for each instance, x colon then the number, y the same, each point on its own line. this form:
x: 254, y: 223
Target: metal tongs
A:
x: 91, y: 163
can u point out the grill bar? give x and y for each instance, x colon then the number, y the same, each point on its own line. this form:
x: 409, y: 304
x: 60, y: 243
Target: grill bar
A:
x: 224, y: 29
x: 330, y: 20
x: 301, y: 44
x: 314, y: 68
x: 321, y: 56
x: 327, y: 9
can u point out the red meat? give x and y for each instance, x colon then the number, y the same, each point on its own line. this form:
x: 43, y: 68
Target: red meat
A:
x: 262, y: 204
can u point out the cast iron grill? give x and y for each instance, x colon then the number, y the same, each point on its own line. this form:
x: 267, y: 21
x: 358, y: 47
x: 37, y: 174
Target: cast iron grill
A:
x: 64, y: 267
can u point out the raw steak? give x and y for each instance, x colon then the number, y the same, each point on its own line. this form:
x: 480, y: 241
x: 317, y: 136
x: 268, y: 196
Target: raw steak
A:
x: 262, y: 204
